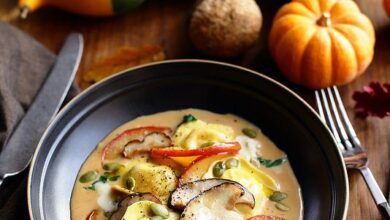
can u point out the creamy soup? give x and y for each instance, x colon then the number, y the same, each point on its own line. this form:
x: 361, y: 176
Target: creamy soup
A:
x: 186, y: 164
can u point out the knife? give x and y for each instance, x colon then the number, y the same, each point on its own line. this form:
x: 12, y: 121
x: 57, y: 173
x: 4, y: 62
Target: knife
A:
x: 20, y: 146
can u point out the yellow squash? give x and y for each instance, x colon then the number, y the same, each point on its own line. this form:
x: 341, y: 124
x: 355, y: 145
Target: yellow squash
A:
x: 260, y: 184
x: 82, y: 7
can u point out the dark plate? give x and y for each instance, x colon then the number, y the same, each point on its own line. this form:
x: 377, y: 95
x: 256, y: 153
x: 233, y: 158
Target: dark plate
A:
x: 218, y: 87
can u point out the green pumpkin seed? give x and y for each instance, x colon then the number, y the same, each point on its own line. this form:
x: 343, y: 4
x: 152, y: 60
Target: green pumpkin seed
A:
x: 249, y: 132
x: 112, y: 167
x: 177, y: 173
x: 107, y: 214
x: 159, y: 210
x: 89, y: 176
x: 278, y: 196
x: 156, y: 218
x: 218, y: 169
x: 231, y: 163
x: 282, y: 207
x: 207, y: 144
x: 130, y: 183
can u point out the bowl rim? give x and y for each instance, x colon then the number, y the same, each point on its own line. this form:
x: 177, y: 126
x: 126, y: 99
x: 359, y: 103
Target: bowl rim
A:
x: 205, y: 61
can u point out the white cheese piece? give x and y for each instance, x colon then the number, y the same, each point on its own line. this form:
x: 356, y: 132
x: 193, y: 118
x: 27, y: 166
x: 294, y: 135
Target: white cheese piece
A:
x: 249, y: 147
x: 104, y: 199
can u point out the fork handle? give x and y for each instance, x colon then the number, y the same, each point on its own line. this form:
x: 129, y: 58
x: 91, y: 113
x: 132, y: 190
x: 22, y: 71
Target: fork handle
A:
x: 376, y: 192
x: 385, y: 210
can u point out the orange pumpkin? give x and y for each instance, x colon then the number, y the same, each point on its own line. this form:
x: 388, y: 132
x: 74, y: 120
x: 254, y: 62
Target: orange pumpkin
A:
x: 319, y: 43
x: 386, y: 4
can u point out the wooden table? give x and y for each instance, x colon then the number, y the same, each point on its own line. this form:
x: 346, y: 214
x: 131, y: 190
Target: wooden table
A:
x: 166, y: 22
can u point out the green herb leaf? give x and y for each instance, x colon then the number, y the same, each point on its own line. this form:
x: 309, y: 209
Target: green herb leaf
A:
x: 91, y: 187
x: 113, y: 178
x: 271, y: 163
x: 187, y: 118
x: 103, y: 179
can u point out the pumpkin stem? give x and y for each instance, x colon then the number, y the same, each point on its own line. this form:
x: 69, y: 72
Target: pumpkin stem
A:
x: 324, y: 20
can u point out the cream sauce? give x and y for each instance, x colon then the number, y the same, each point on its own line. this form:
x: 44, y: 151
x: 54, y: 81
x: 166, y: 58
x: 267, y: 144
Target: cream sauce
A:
x: 84, y: 201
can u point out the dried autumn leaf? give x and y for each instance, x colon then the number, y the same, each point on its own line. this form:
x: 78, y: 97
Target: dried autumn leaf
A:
x: 374, y: 100
x: 122, y: 59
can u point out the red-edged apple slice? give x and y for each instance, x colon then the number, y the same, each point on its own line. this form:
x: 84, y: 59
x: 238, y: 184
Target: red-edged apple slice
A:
x: 115, y: 147
x: 167, y: 161
x: 92, y: 215
x: 199, y: 166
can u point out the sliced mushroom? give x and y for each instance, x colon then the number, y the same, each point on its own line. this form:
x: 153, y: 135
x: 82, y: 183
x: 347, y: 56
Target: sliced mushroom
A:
x: 131, y: 199
x: 216, y: 203
x: 184, y: 194
x: 152, y: 140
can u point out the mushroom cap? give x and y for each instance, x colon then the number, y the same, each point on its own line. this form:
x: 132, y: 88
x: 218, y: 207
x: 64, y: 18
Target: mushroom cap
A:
x: 184, y: 194
x: 215, y: 203
x: 225, y: 28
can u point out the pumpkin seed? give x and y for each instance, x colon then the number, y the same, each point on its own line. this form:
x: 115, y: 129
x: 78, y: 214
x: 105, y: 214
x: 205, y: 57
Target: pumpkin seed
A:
x: 249, y: 132
x: 130, y: 183
x: 159, y: 210
x: 231, y: 163
x: 207, y: 144
x: 107, y: 214
x: 112, y: 167
x: 282, y: 207
x: 278, y: 196
x: 88, y: 176
x: 156, y: 218
x: 177, y: 173
x: 218, y: 169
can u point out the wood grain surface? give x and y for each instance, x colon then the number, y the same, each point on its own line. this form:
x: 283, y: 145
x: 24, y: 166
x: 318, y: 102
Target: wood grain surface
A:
x: 165, y: 23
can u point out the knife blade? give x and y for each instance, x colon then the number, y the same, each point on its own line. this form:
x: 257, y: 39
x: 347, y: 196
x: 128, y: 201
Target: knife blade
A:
x: 20, y: 146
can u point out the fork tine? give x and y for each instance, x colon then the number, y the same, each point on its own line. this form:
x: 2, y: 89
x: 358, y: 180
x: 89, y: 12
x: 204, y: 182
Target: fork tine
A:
x: 344, y: 115
x: 339, y: 124
x: 330, y: 122
x: 319, y: 106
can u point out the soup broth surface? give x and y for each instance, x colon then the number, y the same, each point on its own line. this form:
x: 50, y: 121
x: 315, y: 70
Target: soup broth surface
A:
x: 95, y: 197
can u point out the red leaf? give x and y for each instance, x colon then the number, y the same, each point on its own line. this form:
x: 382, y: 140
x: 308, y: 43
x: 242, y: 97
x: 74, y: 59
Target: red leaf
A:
x: 374, y: 100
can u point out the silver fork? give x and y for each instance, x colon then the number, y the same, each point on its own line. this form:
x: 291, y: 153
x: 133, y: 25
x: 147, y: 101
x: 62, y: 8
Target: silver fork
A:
x: 332, y: 112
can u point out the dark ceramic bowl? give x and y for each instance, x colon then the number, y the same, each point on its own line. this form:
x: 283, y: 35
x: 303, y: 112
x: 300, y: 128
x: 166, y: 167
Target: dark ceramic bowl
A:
x: 218, y: 87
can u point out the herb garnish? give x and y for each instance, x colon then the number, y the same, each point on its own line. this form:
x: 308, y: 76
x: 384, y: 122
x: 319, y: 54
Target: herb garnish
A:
x: 102, y: 179
x: 113, y: 178
x: 187, y: 118
x: 271, y: 163
x: 91, y: 187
